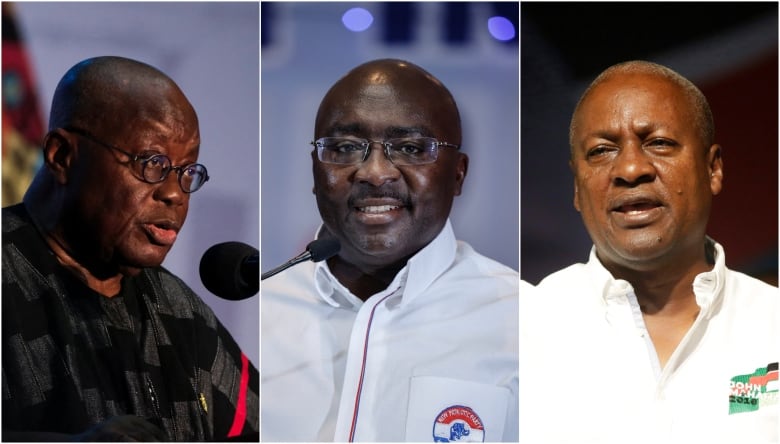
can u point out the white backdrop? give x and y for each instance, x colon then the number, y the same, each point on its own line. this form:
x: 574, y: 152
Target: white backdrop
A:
x: 309, y: 49
x: 211, y: 51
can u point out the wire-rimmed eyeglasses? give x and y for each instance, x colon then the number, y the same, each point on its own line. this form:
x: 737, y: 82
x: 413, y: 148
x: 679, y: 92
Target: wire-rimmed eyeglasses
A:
x: 400, y: 151
x: 155, y: 168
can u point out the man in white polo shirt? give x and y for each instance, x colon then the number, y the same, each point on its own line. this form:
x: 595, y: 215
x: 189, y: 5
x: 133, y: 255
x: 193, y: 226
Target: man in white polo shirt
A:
x: 407, y: 334
x: 653, y: 339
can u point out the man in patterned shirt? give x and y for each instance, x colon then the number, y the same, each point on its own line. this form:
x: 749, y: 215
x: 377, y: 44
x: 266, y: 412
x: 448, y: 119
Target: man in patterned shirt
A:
x: 99, y: 341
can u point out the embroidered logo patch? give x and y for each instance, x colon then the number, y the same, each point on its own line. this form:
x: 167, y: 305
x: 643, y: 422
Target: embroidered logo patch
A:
x: 458, y: 424
x: 755, y: 390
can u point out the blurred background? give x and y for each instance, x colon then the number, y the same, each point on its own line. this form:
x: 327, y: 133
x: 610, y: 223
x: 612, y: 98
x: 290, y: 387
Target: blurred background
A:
x: 471, y: 47
x: 728, y: 49
x: 211, y: 51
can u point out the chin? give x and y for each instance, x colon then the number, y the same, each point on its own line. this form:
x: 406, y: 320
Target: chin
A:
x: 639, y: 250
x: 148, y: 257
x: 377, y: 252
x: 130, y: 270
x: 377, y: 243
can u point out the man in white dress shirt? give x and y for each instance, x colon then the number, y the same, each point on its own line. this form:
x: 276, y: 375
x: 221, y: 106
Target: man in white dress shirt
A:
x: 654, y: 339
x: 407, y: 334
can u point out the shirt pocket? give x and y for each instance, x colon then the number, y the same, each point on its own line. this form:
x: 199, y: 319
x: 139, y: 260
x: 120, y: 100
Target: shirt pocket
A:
x: 446, y: 409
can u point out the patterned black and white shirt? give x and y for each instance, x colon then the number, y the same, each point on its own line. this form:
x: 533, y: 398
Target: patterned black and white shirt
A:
x: 72, y: 358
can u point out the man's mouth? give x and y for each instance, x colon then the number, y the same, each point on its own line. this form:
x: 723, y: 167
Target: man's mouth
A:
x: 375, y: 209
x: 634, y: 207
x: 636, y: 211
x: 162, y: 233
x: 378, y: 211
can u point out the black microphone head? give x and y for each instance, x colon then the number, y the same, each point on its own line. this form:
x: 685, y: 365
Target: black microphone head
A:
x: 230, y: 270
x: 322, y: 249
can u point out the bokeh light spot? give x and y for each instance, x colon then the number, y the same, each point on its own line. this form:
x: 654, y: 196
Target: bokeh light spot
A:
x: 357, y: 19
x: 501, y: 28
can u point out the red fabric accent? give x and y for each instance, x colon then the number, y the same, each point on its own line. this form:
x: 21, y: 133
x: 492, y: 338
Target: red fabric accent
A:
x: 240, y: 418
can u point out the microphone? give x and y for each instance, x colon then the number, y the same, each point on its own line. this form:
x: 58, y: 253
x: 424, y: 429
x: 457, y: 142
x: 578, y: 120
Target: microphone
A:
x: 230, y: 269
x: 317, y: 251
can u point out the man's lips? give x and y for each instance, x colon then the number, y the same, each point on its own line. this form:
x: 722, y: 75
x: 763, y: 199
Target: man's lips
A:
x: 633, y: 203
x: 377, y: 211
x: 636, y: 206
x: 377, y: 204
x: 162, y: 232
x: 374, y: 209
x: 636, y: 211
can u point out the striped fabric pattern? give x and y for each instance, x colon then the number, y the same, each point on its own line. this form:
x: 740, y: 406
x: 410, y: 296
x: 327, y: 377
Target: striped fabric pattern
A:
x: 72, y: 358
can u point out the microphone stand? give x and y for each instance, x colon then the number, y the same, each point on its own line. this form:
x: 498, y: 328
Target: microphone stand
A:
x: 317, y: 250
x: 303, y: 257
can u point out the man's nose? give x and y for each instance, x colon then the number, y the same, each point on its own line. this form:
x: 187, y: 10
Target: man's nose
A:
x: 169, y: 190
x: 632, y: 166
x: 377, y: 168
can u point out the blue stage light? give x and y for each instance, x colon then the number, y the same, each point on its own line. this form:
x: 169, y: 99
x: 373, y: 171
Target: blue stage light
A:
x: 357, y: 19
x: 501, y: 28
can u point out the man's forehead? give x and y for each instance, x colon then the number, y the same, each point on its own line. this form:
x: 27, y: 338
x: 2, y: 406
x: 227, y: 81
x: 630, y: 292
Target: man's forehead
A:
x: 617, y: 91
x: 628, y: 81
x: 395, y: 93
x: 385, y: 80
x: 377, y: 107
x: 386, y: 129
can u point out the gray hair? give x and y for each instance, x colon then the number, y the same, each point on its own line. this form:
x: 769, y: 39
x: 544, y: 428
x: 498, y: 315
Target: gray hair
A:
x: 703, y: 113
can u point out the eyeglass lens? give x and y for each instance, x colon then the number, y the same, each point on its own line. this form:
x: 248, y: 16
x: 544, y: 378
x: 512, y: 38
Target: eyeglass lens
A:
x: 408, y: 151
x: 191, y: 177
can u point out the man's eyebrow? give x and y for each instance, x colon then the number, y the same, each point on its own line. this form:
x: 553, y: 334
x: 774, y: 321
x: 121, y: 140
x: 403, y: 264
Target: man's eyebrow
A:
x: 389, y: 132
x: 341, y: 129
x: 603, y: 134
x: 403, y: 131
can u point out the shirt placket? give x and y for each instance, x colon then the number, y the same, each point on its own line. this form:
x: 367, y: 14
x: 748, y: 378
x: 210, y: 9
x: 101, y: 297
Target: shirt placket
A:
x: 360, y: 376
x: 624, y: 316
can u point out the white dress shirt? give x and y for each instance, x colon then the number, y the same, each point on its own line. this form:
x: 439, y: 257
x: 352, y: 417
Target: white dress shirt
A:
x: 594, y: 376
x: 432, y: 356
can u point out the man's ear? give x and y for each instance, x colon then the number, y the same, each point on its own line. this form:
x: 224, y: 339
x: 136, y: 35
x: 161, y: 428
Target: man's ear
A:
x: 59, y: 153
x: 715, y: 167
x: 461, y: 169
x: 576, y: 187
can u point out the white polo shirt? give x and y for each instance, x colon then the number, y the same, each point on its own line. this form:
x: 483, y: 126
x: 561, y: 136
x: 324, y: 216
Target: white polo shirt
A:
x: 594, y: 377
x: 433, y: 356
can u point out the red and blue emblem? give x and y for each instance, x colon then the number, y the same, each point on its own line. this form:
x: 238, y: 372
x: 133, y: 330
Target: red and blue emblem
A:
x: 458, y: 424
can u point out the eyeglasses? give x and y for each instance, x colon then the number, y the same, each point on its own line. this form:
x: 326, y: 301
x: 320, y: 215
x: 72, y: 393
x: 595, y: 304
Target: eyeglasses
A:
x: 401, y: 151
x: 155, y: 168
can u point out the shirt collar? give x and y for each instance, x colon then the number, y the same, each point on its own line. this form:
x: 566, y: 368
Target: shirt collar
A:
x: 707, y: 286
x: 420, y: 272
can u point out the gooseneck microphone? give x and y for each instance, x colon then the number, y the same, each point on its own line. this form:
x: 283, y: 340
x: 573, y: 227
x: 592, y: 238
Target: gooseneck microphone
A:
x: 230, y: 269
x: 316, y: 251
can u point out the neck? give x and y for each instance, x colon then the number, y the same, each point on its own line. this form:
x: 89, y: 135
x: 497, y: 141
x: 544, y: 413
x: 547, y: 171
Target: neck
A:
x: 666, y: 298
x: 363, y: 275
x: 363, y: 282
x: 108, y: 284
x: 102, y: 278
x: 668, y: 287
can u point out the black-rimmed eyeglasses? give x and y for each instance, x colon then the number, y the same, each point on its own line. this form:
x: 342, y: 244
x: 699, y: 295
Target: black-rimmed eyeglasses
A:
x: 401, y: 151
x: 155, y: 168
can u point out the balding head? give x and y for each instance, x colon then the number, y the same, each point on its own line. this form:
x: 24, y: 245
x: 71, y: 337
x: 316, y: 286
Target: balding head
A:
x: 703, y: 115
x: 380, y: 80
x: 108, y: 90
